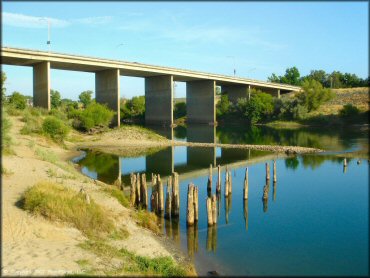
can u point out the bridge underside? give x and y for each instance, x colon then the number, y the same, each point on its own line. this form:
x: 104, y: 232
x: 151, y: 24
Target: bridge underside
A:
x: 200, y: 89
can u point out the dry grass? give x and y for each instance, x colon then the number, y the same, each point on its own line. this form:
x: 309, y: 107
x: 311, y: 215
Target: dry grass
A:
x: 148, y: 220
x: 58, y: 203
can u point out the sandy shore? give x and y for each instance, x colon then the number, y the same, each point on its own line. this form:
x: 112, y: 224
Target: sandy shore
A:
x: 33, y: 246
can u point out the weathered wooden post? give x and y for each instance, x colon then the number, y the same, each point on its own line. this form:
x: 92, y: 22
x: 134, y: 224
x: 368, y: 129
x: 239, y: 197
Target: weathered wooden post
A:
x: 267, y: 171
x: 214, y: 209
x: 218, y: 186
x: 138, y: 197
x: 133, y: 189
x: 359, y: 162
x: 246, y: 184
x: 168, y: 199
x: 195, y: 199
x: 209, y: 183
x: 273, y: 191
x: 209, y: 211
x: 274, y: 172
x: 175, y: 195
x: 226, y: 183
x: 190, y: 210
x: 246, y: 213
x: 345, y: 162
x: 265, y: 197
x: 144, y: 191
x: 160, y: 195
x: 218, y: 197
x: 230, y: 187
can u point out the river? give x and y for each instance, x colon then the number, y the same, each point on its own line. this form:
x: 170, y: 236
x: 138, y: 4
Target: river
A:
x: 314, y: 222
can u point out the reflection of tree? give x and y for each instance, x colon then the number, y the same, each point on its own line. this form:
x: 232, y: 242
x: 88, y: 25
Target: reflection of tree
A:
x: 99, y: 162
x: 292, y: 163
x: 313, y: 161
x: 180, y: 132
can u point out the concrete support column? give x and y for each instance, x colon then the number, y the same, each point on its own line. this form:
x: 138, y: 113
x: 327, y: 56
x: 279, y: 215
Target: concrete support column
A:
x: 249, y: 92
x: 159, y: 100
x: 235, y: 92
x: 41, y: 85
x: 278, y: 93
x: 200, y: 101
x: 107, y: 91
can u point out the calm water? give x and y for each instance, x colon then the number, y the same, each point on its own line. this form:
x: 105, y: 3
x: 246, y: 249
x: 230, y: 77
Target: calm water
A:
x: 315, y: 221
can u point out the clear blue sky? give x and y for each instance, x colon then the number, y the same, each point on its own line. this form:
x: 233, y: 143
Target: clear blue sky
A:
x: 258, y: 39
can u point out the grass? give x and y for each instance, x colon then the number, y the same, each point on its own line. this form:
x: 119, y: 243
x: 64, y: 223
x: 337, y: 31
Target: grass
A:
x: 131, y: 263
x: 6, y: 172
x: 56, y: 202
x: 143, y: 132
x: 148, y: 220
x: 118, y: 194
x: 284, y: 124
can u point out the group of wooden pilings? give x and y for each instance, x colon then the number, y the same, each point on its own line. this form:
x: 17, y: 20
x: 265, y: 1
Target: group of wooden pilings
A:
x: 139, y: 190
x: 266, y: 188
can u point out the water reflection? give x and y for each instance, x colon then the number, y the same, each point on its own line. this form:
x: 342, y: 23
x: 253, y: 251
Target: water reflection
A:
x: 245, y: 209
x: 211, y: 238
x: 192, y: 239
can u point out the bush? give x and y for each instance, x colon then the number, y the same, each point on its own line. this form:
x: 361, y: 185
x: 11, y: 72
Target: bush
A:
x: 258, y: 108
x: 55, y: 128
x: 94, y: 115
x: 180, y: 110
x: 6, y: 140
x: 313, y: 94
x: 18, y: 100
x: 289, y: 109
x: 55, y: 99
x: 85, y: 98
x: 223, y: 107
x: 32, y: 122
x: 134, y: 107
x: 349, y: 110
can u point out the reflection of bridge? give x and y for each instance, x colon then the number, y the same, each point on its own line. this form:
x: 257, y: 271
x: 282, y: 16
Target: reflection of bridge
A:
x: 200, y: 86
x: 197, y: 160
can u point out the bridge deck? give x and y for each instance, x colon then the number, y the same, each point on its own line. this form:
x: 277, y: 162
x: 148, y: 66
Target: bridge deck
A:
x: 26, y: 57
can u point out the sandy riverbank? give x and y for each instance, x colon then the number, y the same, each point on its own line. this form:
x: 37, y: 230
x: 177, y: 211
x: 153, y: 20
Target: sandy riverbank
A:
x: 32, y: 245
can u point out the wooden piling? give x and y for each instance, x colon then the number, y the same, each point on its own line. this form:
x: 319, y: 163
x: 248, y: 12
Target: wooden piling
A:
x: 190, y: 209
x: 226, y: 183
x: 246, y: 184
x: 246, y: 213
x: 133, y: 189
x: 265, y: 192
x: 274, y: 172
x: 138, y: 197
x: 267, y: 171
x: 345, y: 162
x: 218, y: 186
x: 144, y: 191
x: 230, y: 187
x: 209, y: 183
x: 168, y: 199
x: 160, y: 195
x: 209, y: 212
x: 214, y: 209
x: 195, y: 199
x: 175, y: 195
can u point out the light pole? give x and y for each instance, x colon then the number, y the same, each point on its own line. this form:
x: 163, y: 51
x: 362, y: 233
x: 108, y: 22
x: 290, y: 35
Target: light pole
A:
x: 48, y: 42
x: 233, y: 57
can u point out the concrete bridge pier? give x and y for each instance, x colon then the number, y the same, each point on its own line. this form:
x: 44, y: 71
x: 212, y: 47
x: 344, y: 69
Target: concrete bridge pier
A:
x: 159, y: 100
x: 235, y: 92
x: 41, y: 85
x: 200, y: 102
x: 107, y: 91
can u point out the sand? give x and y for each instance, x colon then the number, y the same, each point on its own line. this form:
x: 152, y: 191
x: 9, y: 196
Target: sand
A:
x: 34, y: 246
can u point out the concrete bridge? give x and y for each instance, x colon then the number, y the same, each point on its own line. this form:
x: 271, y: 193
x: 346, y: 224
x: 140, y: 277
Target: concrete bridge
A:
x: 200, y: 86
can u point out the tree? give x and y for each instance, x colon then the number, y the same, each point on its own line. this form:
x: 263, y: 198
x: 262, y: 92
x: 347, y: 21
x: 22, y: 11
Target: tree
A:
x: 85, y: 98
x: 180, y: 110
x: 318, y: 75
x: 313, y: 94
x: 55, y: 99
x: 94, y: 115
x: 291, y: 76
x: 274, y: 78
x: 258, y: 108
x: 18, y: 100
x: 223, y: 106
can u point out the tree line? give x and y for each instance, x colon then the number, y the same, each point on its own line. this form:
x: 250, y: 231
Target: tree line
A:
x: 335, y: 80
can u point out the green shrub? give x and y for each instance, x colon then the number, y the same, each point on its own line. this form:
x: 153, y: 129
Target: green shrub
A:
x: 314, y: 94
x: 18, y: 100
x: 134, y: 107
x: 55, y: 128
x: 55, y: 99
x: 349, y: 110
x: 259, y: 107
x: 223, y: 107
x: 59, y: 113
x: 85, y: 98
x: 179, y: 110
x: 95, y: 115
x: 32, y: 123
x: 6, y: 140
